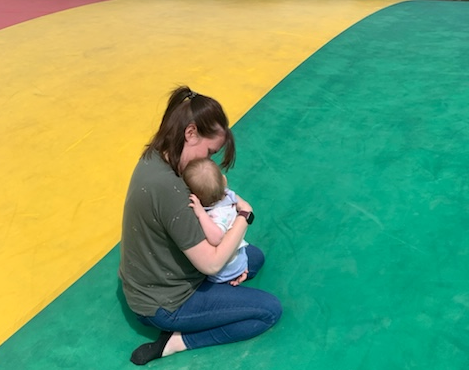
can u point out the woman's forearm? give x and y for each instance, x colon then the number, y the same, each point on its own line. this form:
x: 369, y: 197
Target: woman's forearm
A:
x: 210, y: 259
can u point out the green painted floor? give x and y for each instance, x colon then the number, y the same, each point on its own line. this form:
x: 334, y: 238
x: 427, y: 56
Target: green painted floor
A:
x: 357, y: 167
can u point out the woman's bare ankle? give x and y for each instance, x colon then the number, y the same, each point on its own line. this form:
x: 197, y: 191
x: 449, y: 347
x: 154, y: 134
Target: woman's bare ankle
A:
x: 175, y: 344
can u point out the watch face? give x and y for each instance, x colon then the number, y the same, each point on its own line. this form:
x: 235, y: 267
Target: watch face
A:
x: 250, y: 218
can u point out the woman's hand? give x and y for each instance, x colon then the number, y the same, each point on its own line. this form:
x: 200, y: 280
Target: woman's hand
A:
x: 196, y: 205
x: 242, y: 205
x: 240, y: 278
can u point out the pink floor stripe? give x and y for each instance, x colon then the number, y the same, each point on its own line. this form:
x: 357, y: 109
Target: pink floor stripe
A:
x: 17, y: 11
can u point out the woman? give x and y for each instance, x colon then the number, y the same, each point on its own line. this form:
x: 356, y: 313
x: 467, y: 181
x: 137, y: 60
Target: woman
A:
x: 165, y: 256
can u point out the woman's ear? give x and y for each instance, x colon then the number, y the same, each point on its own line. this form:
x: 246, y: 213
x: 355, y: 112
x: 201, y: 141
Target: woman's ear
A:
x: 225, y: 181
x: 190, y: 133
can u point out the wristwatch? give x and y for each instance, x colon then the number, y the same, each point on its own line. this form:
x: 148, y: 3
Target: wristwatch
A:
x: 249, y: 216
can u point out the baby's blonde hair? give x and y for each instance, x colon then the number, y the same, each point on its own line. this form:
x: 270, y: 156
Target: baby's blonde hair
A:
x: 205, y: 180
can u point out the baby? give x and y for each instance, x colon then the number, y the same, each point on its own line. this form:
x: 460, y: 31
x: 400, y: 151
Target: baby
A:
x: 215, y: 207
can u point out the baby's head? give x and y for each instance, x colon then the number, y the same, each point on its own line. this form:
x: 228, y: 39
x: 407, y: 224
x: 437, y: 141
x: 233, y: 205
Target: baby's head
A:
x: 205, y: 180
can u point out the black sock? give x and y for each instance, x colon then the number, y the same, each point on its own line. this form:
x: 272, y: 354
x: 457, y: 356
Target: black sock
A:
x: 151, y: 351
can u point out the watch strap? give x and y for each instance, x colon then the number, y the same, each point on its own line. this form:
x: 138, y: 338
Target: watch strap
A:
x: 249, y: 216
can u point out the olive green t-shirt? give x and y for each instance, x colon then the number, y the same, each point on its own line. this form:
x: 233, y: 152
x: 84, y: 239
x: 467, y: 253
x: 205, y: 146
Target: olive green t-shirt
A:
x: 158, y: 225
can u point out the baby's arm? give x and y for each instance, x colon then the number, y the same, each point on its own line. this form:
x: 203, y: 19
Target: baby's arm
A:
x: 213, y: 233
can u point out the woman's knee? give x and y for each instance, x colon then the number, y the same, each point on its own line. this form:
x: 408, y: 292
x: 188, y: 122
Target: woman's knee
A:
x: 271, y: 307
x: 276, y: 309
x: 256, y: 260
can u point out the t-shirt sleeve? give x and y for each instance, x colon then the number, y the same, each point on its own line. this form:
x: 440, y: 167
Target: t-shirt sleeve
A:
x: 185, y: 230
x: 178, y: 219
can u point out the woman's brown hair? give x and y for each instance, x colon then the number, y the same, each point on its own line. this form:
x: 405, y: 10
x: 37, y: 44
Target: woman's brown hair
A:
x: 186, y: 107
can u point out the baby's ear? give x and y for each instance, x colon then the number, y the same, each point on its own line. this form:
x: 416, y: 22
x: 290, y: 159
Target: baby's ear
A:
x: 225, y: 181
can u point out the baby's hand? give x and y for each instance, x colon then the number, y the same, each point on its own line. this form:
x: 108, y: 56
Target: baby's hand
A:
x: 196, y: 205
x: 240, y: 278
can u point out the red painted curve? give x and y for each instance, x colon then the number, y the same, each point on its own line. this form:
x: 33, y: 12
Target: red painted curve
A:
x: 16, y: 11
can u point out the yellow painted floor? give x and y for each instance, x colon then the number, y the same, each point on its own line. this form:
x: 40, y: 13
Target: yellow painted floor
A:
x: 82, y: 91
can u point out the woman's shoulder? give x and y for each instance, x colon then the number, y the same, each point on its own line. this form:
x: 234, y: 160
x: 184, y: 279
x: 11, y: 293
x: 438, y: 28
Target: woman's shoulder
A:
x: 152, y: 160
x: 154, y: 176
x: 154, y: 168
x: 154, y: 182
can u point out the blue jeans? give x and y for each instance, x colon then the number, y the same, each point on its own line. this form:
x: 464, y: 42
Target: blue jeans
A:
x: 221, y: 313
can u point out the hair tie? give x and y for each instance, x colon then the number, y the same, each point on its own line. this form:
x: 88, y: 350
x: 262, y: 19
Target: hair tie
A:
x: 192, y: 95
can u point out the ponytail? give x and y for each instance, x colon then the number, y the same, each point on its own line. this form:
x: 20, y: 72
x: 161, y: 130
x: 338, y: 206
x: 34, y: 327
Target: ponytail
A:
x: 184, y: 107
